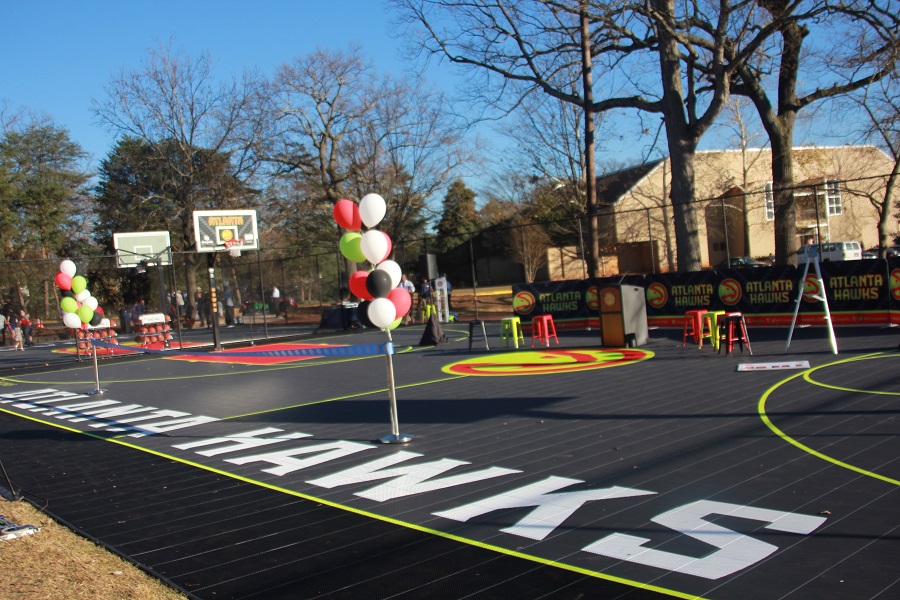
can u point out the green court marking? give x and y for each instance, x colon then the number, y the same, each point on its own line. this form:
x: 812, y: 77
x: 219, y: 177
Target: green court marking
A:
x: 376, y: 516
x: 337, y: 398
x: 761, y: 409
x: 808, y: 377
x: 245, y: 370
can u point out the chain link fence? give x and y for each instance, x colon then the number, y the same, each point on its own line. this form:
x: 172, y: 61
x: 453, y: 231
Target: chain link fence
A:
x: 637, y: 240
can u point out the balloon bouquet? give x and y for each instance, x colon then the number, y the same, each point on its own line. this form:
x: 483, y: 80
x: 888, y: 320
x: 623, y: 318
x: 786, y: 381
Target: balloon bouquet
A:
x: 79, y: 307
x: 383, y: 303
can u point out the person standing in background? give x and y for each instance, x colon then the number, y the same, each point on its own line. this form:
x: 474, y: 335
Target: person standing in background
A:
x: 198, y: 308
x: 3, y: 327
x: 425, y: 299
x: 407, y: 285
x: 18, y: 338
x: 275, y: 300
x: 228, y: 301
x: 179, y: 303
x: 25, y: 326
x: 449, y: 291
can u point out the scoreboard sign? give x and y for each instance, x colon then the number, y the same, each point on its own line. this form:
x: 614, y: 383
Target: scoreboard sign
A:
x: 217, y: 230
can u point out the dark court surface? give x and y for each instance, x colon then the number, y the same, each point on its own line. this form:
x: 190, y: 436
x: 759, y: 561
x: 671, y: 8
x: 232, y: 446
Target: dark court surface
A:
x: 573, y: 471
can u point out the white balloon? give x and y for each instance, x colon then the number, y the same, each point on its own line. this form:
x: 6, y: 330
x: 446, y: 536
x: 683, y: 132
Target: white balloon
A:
x: 392, y: 269
x: 382, y: 313
x: 68, y: 267
x: 372, y: 209
x: 72, y: 320
x: 374, y: 246
x: 91, y: 302
x: 82, y: 296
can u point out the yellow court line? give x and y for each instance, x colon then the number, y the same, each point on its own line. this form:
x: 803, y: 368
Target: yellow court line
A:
x: 245, y: 371
x: 808, y: 378
x: 761, y: 409
x: 336, y: 398
x: 377, y: 517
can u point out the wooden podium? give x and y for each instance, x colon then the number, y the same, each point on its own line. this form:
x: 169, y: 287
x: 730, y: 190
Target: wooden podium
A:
x: 623, y: 316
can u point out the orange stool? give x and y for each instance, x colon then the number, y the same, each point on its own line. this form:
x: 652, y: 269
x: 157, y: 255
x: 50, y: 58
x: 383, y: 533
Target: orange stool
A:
x: 733, y: 330
x: 693, y: 326
x: 542, y: 329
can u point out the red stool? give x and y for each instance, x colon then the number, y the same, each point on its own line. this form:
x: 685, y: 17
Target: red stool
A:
x: 542, y: 329
x: 733, y: 330
x: 693, y: 326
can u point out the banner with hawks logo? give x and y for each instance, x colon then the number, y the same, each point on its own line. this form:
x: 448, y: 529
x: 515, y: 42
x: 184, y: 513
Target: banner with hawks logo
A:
x: 858, y: 292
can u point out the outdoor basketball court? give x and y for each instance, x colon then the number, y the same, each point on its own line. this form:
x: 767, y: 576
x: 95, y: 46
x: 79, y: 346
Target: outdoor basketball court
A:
x: 569, y: 472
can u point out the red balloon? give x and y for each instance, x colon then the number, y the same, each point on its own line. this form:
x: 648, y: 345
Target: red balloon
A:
x: 346, y: 213
x: 401, y: 300
x: 99, y: 309
x: 358, y: 285
x: 390, y: 246
x: 63, y: 281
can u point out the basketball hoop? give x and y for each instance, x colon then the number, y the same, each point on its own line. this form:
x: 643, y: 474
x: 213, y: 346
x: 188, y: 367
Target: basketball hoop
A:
x: 233, y: 247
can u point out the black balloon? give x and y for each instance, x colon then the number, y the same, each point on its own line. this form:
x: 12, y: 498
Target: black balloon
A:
x: 95, y: 320
x: 378, y: 283
x: 67, y: 293
x: 362, y: 313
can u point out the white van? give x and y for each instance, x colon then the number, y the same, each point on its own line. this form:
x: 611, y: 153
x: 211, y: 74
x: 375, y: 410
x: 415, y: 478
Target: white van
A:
x: 830, y: 251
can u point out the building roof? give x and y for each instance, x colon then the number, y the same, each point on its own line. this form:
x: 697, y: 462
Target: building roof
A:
x: 612, y: 186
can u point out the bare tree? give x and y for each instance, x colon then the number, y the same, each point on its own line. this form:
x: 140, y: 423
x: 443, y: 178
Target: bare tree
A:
x: 174, y: 103
x: 410, y: 149
x: 318, y: 101
x: 739, y: 119
x: 548, y: 148
x: 345, y: 131
x: 551, y: 47
x: 528, y: 244
x: 811, y: 68
x: 515, y: 49
x: 881, y: 104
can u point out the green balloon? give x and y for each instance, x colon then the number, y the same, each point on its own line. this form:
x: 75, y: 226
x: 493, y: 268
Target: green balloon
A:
x: 68, y: 304
x: 85, y: 313
x: 395, y: 324
x: 79, y: 284
x: 350, y: 247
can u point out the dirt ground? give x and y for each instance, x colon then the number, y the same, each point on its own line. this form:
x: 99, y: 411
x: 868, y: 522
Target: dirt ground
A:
x: 57, y: 564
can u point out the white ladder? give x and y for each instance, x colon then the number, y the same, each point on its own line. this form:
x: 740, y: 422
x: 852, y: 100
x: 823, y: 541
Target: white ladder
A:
x: 822, y: 297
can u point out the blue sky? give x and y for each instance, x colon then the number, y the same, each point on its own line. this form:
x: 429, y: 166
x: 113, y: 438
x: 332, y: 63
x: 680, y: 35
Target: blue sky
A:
x: 58, y: 55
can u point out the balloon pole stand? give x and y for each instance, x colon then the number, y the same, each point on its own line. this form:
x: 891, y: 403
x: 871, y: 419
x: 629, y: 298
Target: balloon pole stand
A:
x: 97, y: 389
x: 396, y: 437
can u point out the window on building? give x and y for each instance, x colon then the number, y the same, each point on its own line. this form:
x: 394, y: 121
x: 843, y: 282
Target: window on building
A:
x: 833, y: 197
x: 770, y: 202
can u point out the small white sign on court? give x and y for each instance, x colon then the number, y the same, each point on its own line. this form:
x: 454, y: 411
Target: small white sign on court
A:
x: 773, y: 366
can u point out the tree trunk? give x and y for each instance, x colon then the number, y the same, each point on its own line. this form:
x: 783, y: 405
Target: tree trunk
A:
x: 590, y: 184
x: 884, y: 239
x: 682, y: 143
x: 782, y: 186
x: 687, y: 239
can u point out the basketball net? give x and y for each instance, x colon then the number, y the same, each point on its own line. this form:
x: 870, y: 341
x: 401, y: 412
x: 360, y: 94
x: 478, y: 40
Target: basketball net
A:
x: 233, y: 248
